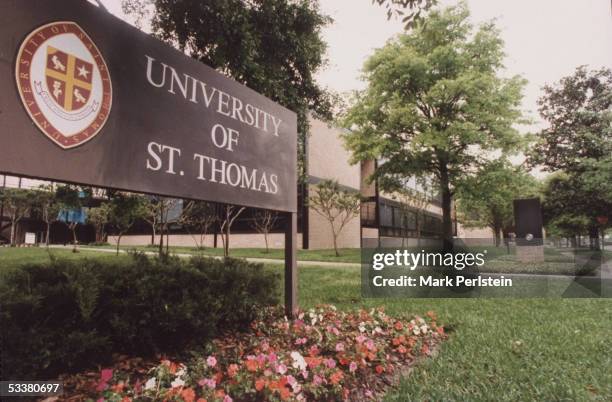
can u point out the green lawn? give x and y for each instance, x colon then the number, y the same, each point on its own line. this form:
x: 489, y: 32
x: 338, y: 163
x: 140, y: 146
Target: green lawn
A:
x: 499, y: 349
x: 346, y: 254
x: 13, y: 257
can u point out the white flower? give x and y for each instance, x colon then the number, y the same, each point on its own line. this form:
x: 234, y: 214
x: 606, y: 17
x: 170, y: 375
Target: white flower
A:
x: 178, y: 382
x: 150, y: 384
x: 416, y: 330
x: 298, y: 361
x: 362, y: 327
x: 180, y: 373
x: 424, y: 329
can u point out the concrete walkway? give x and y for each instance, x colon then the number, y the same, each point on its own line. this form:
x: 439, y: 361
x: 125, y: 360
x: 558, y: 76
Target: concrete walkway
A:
x: 250, y: 259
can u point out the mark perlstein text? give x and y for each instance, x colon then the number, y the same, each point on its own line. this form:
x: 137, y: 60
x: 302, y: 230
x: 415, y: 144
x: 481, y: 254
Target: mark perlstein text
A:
x: 447, y: 281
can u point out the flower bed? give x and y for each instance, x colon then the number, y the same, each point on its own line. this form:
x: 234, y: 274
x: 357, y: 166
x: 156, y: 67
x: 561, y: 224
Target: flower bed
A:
x: 325, y: 354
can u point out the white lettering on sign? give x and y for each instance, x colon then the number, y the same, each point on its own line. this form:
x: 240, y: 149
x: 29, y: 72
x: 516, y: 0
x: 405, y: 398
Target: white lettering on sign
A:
x: 161, y: 75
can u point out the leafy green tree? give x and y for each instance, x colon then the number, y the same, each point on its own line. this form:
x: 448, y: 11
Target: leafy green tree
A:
x: 99, y: 217
x: 409, y: 11
x: 17, y: 204
x: 48, y: 207
x: 337, y: 206
x: 569, y: 199
x: 578, y: 141
x: 198, y: 218
x: 435, y: 104
x: 578, y: 111
x: 71, y: 200
x: 124, y: 210
x: 272, y: 46
x: 486, y: 199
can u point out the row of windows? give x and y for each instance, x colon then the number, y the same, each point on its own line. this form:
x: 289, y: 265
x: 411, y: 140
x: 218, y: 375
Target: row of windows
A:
x: 396, y: 221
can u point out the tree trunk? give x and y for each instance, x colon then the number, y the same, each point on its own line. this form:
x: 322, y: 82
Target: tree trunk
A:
x: 496, y: 230
x: 74, y: 237
x: 161, y: 240
x: 118, y: 242
x: 13, y: 239
x: 266, y: 240
x: 47, y: 234
x: 594, y: 238
x: 447, y: 223
x: 336, y: 245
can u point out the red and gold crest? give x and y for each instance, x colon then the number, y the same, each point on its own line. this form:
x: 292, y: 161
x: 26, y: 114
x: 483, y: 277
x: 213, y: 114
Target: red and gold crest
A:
x: 64, y: 83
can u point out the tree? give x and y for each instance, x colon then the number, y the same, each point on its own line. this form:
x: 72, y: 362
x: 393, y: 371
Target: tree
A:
x: 337, y: 206
x: 263, y: 222
x: 123, y: 212
x: 198, y: 217
x: 578, y: 141
x: 578, y: 111
x: 569, y: 199
x: 398, y: 8
x: 17, y: 204
x: 486, y: 199
x: 48, y: 206
x: 272, y: 46
x: 71, y: 200
x: 99, y: 217
x: 150, y: 213
x: 436, y: 105
x: 229, y: 215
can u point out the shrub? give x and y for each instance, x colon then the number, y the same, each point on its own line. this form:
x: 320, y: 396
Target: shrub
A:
x: 68, y: 315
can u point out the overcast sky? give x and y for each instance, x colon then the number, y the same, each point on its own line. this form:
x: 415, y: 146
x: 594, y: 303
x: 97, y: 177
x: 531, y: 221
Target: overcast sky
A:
x: 544, y: 39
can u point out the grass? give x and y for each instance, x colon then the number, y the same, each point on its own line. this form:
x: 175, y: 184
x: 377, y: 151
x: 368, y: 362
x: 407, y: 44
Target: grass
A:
x: 13, y: 257
x: 352, y: 255
x: 499, y: 349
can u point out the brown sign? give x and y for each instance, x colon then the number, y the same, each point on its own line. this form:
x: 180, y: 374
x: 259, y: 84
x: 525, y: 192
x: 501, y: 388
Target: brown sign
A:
x: 86, y: 98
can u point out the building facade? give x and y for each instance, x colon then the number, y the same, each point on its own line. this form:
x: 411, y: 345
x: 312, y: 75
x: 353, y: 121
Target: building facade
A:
x: 383, y: 216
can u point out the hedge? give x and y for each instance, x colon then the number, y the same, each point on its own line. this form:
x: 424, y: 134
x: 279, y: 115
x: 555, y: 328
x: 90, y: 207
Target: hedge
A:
x: 68, y: 315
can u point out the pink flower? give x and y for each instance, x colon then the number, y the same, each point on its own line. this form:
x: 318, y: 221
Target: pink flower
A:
x: 268, y: 372
x: 265, y: 346
x: 227, y: 398
x: 370, y: 344
x: 261, y: 358
x: 208, y: 382
x: 272, y: 357
x: 340, y: 347
x: 316, y: 380
x: 353, y: 367
x: 211, y: 361
x: 106, y: 375
x: 281, y: 369
x: 291, y: 380
x: 361, y: 339
x: 301, y: 341
x: 330, y: 363
x: 305, y: 374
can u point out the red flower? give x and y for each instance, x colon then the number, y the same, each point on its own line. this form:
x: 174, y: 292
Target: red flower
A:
x: 251, y: 365
x: 398, y: 325
x: 260, y: 384
x: 232, y: 370
x: 336, y: 377
x: 285, y: 393
x: 188, y: 395
x: 379, y: 369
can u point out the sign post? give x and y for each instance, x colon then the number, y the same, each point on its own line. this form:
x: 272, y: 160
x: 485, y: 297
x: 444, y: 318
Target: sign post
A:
x: 88, y: 99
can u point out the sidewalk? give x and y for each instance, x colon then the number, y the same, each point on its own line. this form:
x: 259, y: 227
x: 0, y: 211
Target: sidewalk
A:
x: 250, y: 259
